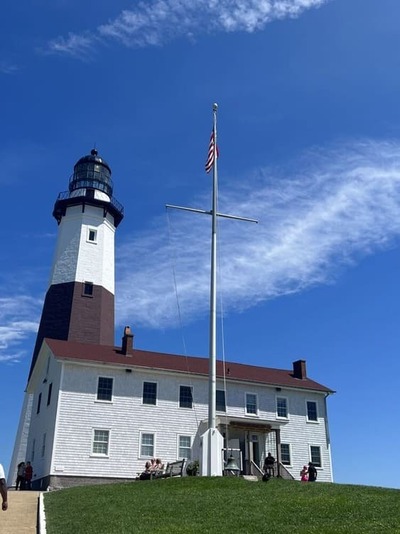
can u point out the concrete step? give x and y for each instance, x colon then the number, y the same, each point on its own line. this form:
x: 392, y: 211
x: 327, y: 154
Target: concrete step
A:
x: 21, y: 516
x: 251, y: 478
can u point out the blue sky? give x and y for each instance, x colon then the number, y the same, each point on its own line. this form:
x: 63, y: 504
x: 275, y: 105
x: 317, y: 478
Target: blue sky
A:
x: 309, y: 136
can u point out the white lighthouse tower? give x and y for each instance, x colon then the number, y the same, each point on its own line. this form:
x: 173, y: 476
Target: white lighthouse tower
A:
x: 79, y: 303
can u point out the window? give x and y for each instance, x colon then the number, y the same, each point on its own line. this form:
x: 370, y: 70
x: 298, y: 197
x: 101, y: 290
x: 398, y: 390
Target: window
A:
x: 150, y: 393
x: 49, y: 394
x: 92, y: 235
x: 88, y: 289
x: 185, y: 447
x: 312, y: 414
x: 104, y: 389
x: 281, y: 407
x: 220, y: 401
x: 33, y: 450
x: 185, y: 397
x: 39, y: 402
x: 285, y: 454
x: 101, y: 440
x: 315, y: 455
x: 44, y: 444
x: 147, y: 445
x: 251, y: 403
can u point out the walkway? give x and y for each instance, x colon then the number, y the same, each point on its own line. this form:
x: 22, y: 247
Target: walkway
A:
x: 21, y: 516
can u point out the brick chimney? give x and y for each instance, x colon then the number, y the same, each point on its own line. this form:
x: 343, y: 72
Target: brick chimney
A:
x: 299, y: 369
x: 127, y: 341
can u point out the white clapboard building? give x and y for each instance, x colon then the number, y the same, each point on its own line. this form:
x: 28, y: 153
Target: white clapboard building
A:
x: 95, y: 412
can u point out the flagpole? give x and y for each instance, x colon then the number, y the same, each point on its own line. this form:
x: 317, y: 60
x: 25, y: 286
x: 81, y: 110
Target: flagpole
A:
x: 213, y: 287
x: 212, y: 441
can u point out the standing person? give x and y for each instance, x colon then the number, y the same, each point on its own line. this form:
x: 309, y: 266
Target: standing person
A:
x: 304, y: 474
x: 269, y: 465
x: 28, y: 476
x: 312, y: 472
x: 3, y: 489
x: 20, y: 476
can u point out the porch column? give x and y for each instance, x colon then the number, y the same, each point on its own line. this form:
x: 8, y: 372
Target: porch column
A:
x: 278, y: 451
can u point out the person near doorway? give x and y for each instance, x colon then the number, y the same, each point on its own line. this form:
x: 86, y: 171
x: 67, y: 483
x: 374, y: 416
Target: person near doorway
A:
x: 269, y: 463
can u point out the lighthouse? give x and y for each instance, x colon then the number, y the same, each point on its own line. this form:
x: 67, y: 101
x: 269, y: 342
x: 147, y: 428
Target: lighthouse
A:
x: 79, y: 303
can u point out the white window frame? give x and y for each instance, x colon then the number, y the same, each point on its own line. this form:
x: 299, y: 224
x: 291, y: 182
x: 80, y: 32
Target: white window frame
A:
x: 320, y: 455
x: 314, y: 421
x: 149, y: 382
x: 149, y: 433
x: 290, y: 453
x: 286, y: 417
x: 179, y: 400
x: 179, y: 446
x: 88, y: 240
x: 101, y: 454
x: 106, y: 401
x: 252, y: 414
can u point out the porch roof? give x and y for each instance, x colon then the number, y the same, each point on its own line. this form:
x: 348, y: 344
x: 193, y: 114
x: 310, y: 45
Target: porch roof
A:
x: 246, y: 423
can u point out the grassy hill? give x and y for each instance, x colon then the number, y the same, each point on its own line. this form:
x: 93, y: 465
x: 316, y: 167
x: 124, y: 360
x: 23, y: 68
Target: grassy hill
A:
x: 223, y: 505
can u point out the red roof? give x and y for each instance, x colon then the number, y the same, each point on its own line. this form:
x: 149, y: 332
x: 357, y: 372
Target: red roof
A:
x: 71, y: 350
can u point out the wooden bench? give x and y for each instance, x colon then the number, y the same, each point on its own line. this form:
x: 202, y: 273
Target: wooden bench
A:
x: 173, y: 469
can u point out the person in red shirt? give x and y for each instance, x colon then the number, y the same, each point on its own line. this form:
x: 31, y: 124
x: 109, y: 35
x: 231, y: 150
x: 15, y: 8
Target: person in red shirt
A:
x: 28, y: 476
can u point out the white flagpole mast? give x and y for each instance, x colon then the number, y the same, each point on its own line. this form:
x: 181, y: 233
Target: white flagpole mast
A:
x: 213, y: 287
x: 212, y: 442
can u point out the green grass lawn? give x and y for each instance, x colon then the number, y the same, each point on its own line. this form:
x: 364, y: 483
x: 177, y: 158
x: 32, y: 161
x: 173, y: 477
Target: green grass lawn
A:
x: 231, y: 505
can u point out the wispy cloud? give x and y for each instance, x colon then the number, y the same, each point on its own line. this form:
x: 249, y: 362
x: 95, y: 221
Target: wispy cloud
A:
x: 19, y: 320
x: 160, y: 21
x: 323, y: 212
x: 8, y: 68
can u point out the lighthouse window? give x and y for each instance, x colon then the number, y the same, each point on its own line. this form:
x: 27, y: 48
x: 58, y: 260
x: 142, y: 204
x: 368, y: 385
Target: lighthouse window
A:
x: 88, y: 289
x: 92, y: 235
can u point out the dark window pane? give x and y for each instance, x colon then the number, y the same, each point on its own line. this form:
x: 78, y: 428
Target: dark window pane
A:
x: 149, y: 393
x: 185, y: 397
x: 312, y: 411
x: 104, y: 388
x: 285, y: 454
x: 220, y: 400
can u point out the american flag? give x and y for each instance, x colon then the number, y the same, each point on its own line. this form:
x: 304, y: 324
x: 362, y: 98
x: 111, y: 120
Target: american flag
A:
x: 211, y: 152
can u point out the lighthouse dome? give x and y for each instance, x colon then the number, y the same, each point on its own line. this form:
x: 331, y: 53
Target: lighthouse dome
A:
x: 91, y: 174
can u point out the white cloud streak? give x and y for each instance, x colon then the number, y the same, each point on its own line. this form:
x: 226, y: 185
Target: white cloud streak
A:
x: 323, y: 212
x: 18, y: 319
x: 160, y: 21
